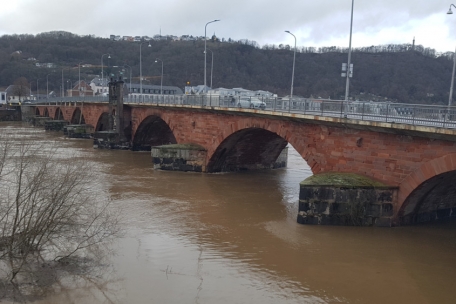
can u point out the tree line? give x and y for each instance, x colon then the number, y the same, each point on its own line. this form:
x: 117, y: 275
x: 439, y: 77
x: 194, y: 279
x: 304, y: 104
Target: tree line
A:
x: 403, y: 72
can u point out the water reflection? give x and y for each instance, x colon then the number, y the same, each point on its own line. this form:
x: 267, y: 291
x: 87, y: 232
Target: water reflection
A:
x: 233, y: 238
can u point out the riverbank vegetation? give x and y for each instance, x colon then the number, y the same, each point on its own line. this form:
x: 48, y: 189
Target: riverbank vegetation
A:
x: 52, y: 222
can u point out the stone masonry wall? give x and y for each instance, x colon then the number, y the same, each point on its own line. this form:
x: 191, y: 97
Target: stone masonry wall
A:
x: 393, y: 159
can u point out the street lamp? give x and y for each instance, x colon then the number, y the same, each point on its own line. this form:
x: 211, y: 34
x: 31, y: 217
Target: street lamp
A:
x: 130, y: 76
x: 450, y: 99
x: 212, y: 64
x: 79, y: 84
x: 161, y: 84
x: 205, y: 51
x: 349, y: 57
x: 102, y: 82
x: 62, y: 94
x: 292, y: 73
x: 47, y: 87
x: 140, y: 70
x: 37, y: 89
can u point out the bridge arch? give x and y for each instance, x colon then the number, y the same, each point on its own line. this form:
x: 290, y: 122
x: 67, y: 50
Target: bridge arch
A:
x: 103, y: 122
x: 37, y: 112
x: 152, y: 131
x: 429, y: 193
x: 46, y: 112
x: 247, y: 149
x: 58, y: 115
x: 77, y: 117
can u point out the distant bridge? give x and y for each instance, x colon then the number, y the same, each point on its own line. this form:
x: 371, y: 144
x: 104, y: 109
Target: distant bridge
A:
x: 411, y: 147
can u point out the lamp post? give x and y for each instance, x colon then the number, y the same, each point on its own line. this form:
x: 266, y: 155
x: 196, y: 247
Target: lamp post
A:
x: 349, y: 57
x: 63, y: 87
x: 212, y: 64
x: 37, y: 89
x: 292, y: 73
x: 79, y: 83
x: 47, y: 87
x: 129, y: 90
x: 140, y: 71
x: 70, y: 85
x: 205, y: 51
x: 450, y: 99
x: 161, y: 83
x: 102, y: 79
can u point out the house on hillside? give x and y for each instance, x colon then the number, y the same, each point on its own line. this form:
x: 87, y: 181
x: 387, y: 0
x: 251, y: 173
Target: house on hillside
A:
x: 81, y: 88
x: 99, y: 86
x: 48, y: 65
x: 114, y: 37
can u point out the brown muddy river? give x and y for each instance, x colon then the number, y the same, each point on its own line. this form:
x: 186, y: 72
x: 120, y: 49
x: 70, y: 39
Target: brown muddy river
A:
x: 233, y: 238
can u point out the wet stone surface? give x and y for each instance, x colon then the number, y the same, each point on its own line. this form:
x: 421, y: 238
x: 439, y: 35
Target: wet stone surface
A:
x: 55, y: 125
x: 78, y: 131
x: 345, y: 199
x: 179, y: 157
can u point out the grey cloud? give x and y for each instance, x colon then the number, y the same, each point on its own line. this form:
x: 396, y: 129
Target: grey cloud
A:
x: 264, y: 21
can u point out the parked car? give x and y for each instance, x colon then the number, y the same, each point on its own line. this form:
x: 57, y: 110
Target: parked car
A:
x: 251, y: 103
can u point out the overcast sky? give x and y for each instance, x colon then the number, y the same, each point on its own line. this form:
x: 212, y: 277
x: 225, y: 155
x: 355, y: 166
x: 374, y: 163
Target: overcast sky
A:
x: 313, y: 22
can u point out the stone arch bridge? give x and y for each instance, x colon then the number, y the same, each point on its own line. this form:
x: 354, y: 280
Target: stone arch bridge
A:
x: 418, y: 164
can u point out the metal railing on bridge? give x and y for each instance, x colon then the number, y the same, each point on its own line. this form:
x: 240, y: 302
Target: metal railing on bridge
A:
x: 422, y: 115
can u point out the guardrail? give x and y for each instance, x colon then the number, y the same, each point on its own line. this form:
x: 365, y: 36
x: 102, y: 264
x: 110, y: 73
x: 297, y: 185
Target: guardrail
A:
x: 422, y: 115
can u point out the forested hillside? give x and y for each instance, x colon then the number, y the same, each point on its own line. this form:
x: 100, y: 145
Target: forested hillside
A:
x: 397, y: 72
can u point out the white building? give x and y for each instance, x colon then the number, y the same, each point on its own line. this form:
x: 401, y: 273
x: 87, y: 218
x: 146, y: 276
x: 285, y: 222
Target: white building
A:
x: 99, y: 86
x: 240, y: 92
x: 2, y: 97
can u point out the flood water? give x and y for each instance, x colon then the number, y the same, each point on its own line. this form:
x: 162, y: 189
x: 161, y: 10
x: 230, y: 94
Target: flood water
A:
x: 233, y: 238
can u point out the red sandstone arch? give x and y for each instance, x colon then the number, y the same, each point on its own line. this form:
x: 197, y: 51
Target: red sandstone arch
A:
x: 426, y: 171
x: 103, y: 122
x: 58, y: 114
x: 246, y: 149
x: 152, y: 131
x: 77, y: 117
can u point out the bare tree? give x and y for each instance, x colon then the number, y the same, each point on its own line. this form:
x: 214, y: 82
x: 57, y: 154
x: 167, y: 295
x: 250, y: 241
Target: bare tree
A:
x: 21, y: 88
x: 48, y: 210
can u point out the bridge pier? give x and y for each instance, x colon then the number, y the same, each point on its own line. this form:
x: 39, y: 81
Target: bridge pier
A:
x: 109, y: 140
x: 114, y: 136
x: 188, y: 157
x: 78, y: 131
x: 346, y: 199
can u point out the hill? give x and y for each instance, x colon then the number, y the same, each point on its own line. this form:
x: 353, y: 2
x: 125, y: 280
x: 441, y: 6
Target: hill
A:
x: 400, y: 73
